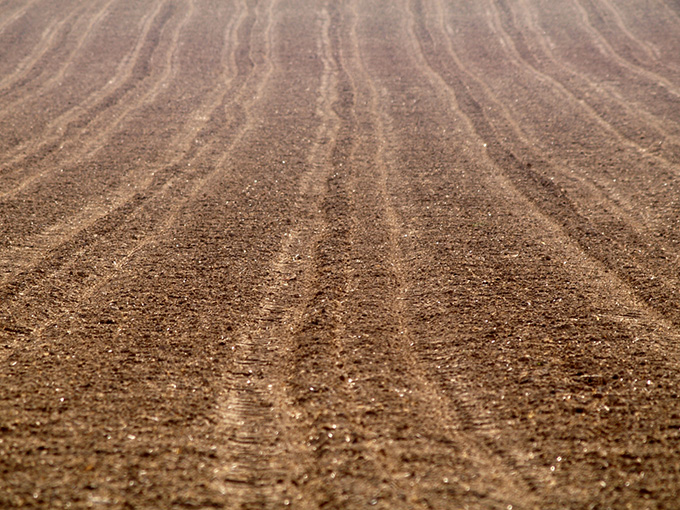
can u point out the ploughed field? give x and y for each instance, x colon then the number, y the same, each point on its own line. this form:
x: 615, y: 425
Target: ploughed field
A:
x: 320, y: 254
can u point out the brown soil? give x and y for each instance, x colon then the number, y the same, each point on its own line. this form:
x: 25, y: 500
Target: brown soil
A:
x: 391, y: 254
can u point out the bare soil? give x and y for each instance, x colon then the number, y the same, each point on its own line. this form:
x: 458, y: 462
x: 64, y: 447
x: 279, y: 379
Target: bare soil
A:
x: 396, y: 254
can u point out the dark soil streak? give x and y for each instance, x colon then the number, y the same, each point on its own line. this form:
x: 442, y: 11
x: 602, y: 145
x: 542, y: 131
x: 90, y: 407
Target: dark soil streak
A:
x: 286, y: 253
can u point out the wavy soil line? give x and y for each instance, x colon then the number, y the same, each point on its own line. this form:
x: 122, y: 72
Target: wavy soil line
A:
x: 392, y: 254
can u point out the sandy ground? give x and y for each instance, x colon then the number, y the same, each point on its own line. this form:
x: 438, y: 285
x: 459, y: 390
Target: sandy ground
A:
x: 405, y: 254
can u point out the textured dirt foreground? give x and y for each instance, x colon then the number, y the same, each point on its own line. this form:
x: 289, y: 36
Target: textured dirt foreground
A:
x: 396, y: 254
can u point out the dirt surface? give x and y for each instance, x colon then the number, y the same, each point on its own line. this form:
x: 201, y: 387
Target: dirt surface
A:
x: 418, y: 254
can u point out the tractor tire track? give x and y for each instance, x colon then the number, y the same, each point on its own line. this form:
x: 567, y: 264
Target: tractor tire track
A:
x: 408, y: 254
x: 256, y: 420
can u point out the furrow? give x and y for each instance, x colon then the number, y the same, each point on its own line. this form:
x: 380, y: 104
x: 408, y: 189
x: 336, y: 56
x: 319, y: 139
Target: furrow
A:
x: 19, y: 261
x: 667, y: 6
x: 378, y: 280
x: 54, y: 35
x: 412, y: 254
x: 634, y: 67
x: 468, y: 393
x: 145, y: 219
x: 528, y: 61
x: 660, y: 126
x: 650, y: 53
x: 55, y: 78
x: 646, y: 48
x: 255, y: 416
x: 554, y: 202
x: 104, y: 126
x: 647, y: 267
x: 74, y: 120
x: 465, y: 404
x: 597, y: 191
x: 23, y: 9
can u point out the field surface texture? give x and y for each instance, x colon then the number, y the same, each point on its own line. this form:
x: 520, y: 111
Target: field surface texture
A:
x: 404, y: 254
